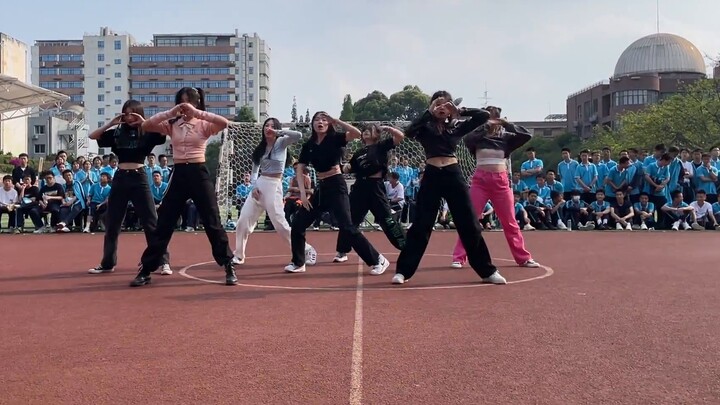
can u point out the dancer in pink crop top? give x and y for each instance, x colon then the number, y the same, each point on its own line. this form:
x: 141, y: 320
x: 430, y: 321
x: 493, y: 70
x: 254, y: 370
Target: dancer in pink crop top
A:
x: 189, y: 127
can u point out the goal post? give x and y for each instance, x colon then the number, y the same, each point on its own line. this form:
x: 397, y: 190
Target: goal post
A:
x: 241, y: 138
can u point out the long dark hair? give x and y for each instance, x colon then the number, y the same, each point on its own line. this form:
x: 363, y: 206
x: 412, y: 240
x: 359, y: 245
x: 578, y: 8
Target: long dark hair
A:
x: 313, y: 134
x: 260, y: 148
x: 195, y: 96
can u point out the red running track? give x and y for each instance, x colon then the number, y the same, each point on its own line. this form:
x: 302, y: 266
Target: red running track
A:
x: 624, y: 318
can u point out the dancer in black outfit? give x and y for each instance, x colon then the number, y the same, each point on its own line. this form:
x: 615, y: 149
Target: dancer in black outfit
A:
x: 439, y: 132
x: 189, y: 127
x: 368, y: 193
x: 131, y: 145
x: 323, y: 151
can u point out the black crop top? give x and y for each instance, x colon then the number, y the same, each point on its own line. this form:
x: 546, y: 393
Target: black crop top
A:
x: 372, y: 159
x: 513, y: 137
x: 326, y: 154
x: 127, y: 143
x: 435, y: 143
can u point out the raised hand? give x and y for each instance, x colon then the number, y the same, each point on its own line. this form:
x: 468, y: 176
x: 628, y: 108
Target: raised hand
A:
x: 117, y: 120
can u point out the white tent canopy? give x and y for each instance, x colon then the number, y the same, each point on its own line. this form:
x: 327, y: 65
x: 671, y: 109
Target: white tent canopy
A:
x: 18, y: 99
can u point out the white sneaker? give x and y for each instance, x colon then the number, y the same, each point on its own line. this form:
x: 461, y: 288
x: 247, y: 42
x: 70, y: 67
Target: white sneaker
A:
x: 675, y: 226
x: 380, y: 268
x: 189, y: 229
x: 456, y: 265
x: 590, y: 226
x: 398, y: 279
x: 166, y: 271
x: 310, y: 255
x: 86, y: 229
x: 291, y: 268
x: 697, y: 227
x: 530, y: 263
x: 100, y: 270
x: 495, y: 278
x: 686, y: 226
x: 528, y: 227
x: 618, y: 227
x: 643, y: 227
x: 65, y: 229
x: 561, y: 225
x: 340, y: 258
x: 628, y: 227
x: 237, y: 261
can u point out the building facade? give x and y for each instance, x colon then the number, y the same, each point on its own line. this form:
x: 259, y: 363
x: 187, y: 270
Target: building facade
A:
x: 13, y: 62
x: 650, y: 69
x: 50, y: 133
x: 100, y: 72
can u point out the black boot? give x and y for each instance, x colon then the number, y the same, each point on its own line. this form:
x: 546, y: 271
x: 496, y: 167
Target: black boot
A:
x: 230, y: 277
x: 142, y: 278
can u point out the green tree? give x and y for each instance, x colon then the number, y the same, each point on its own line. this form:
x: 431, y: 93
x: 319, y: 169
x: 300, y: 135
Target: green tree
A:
x: 688, y: 119
x: 408, y: 104
x: 348, y: 113
x: 293, y: 112
x: 245, y: 114
x: 212, y: 157
x: 307, y: 115
x: 373, y: 107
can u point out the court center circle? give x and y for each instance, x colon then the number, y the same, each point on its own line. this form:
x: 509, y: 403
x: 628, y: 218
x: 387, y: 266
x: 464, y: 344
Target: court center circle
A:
x: 184, y: 272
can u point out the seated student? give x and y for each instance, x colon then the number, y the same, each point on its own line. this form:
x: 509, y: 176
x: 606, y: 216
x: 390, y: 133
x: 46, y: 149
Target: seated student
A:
x: 543, y: 191
x: 29, y: 200
x: 577, y: 213
x: 8, y: 201
x: 521, y: 215
x: 555, y: 206
x: 676, y: 212
x: 443, y: 219
x: 622, y: 212
x: 52, y: 194
x: 702, y: 213
x: 158, y: 188
x: 716, y: 211
x: 536, y: 211
x: 73, y: 204
x: 486, y: 216
x: 644, y: 213
x: 600, y: 210
x: 98, y: 197
x: 518, y: 185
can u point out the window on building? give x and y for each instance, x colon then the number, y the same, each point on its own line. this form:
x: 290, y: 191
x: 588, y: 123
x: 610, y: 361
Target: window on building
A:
x: 251, y: 70
x: 118, y: 61
x: 39, y: 129
x: 250, y: 44
x: 101, y: 44
x: 251, y: 97
x: 101, y: 97
x: 40, y: 149
x: 251, y: 83
x: 635, y: 97
x: 251, y: 57
x: 118, y: 45
x: 101, y: 84
x: 100, y: 123
x: 101, y: 71
x: 118, y: 101
x: 101, y: 57
x: 101, y: 111
x: 118, y: 75
x: 118, y: 88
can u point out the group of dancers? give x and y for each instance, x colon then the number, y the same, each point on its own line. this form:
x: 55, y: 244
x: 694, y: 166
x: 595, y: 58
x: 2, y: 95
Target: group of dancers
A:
x: 439, y: 130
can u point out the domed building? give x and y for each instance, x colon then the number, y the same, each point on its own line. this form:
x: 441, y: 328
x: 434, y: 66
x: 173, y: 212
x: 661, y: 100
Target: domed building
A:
x: 650, y: 69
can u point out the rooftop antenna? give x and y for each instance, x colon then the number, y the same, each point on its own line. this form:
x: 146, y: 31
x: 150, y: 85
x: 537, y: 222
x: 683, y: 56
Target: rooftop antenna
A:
x: 657, y: 18
x: 485, y: 97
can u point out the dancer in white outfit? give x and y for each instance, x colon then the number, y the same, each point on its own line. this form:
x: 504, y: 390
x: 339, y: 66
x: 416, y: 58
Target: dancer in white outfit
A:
x: 267, y: 194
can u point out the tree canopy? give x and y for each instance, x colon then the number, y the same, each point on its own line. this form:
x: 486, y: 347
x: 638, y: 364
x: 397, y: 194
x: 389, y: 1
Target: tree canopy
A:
x: 405, y: 105
x: 690, y: 119
x: 245, y: 114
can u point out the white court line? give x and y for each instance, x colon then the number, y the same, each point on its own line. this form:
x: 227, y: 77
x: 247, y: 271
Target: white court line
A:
x: 356, y: 368
x: 184, y: 272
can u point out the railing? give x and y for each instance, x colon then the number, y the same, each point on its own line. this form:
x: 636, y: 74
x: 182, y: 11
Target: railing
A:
x: 592, y: 86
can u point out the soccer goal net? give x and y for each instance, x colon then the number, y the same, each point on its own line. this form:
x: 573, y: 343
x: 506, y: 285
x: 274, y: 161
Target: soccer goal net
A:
x: 240, y: 139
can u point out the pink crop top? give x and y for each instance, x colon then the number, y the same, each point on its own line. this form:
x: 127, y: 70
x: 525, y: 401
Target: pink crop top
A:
x: 188, y: 138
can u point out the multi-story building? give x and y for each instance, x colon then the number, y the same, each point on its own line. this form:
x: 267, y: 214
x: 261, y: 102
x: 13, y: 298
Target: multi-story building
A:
x: 650, y: 69
x: 101, y: 71
x: 13, y: 63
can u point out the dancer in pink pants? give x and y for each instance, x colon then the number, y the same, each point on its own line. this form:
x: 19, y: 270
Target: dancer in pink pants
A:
x: 492, y: 146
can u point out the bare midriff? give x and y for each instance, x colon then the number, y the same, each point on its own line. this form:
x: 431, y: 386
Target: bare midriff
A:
x: 442, y: 161
x: 334, y: 171
x: 489, y: 160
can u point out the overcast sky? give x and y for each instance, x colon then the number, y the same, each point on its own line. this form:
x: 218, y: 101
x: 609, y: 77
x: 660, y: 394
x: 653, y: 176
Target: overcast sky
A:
x: 531, y: 54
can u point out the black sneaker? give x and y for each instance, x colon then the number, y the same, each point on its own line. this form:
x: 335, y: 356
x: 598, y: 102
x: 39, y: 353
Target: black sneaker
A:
x: 101, y: 270
x: 230, y: 277
x: 141, y: 279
